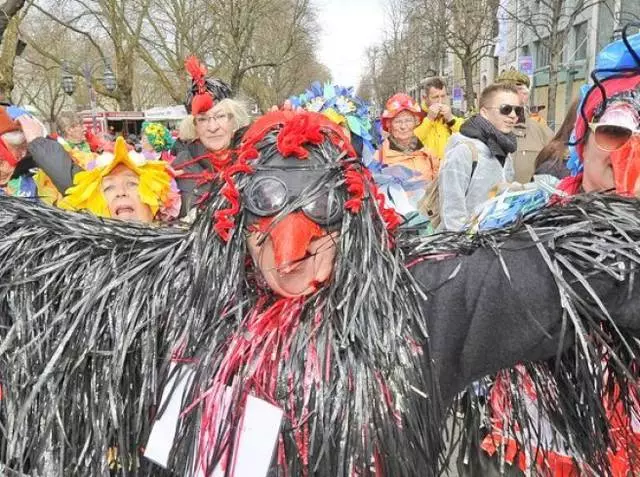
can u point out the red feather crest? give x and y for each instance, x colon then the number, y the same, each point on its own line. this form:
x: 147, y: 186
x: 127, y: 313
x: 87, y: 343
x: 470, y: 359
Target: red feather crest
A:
x: 197, y: 71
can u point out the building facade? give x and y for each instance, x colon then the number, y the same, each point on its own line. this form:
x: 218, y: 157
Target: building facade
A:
x: 593, y: 28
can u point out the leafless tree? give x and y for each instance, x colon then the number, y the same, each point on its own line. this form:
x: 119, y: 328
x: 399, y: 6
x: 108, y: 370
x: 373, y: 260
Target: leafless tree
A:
x: 264, y: 48
x: 38, y: 85
x: 468, y: 28
x: 11, y: 14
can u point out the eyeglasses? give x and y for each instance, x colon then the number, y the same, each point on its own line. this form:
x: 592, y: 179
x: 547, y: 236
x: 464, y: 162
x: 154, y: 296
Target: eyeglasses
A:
x: 506, y: 109
x: 611, y: 137
x: 404, y: 122
x: 219, y: 118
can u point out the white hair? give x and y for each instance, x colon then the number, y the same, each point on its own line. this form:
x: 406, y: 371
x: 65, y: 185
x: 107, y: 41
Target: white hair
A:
x: 236, y: 109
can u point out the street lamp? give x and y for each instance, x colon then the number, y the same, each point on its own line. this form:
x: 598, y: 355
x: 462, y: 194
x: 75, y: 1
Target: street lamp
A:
x: 68, y: 81
x: 108, y: 80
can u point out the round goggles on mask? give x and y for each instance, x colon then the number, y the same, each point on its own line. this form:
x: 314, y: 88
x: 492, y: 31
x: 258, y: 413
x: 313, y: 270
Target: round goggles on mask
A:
x: 268, y: 195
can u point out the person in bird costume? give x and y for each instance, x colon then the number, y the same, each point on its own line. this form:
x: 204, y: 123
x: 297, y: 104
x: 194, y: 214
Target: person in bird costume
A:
x: 295, y: 287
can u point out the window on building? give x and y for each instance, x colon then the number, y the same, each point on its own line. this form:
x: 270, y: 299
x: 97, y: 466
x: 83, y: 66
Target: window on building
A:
x: 525, y: 51
x: 580, y: 41
x: 542, y: 55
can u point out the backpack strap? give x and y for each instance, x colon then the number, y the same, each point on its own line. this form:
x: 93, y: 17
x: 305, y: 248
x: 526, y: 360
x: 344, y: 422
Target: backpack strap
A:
x: 474, y: 161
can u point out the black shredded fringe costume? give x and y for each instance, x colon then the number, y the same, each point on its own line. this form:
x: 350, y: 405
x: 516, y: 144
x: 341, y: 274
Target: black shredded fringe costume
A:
x: 93, y: 310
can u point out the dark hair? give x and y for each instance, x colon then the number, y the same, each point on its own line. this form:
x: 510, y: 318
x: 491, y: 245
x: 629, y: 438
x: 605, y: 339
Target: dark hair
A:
x: 217, y: 88
x: 490, y: 91
x: 436, y: 83
x: 553, y: 155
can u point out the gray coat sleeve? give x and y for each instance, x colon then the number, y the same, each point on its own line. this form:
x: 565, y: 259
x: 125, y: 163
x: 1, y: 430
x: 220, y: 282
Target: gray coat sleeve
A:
x: 54, y: 161
x: 454, y: 179
x: 482, y: 320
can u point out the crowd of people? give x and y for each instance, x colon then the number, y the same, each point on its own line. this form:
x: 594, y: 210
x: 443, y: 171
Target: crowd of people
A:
x: 471, y: 159
x: 426, y: 171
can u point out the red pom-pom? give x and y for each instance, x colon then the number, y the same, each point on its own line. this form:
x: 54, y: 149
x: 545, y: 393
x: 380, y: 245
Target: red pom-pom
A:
x: 201, y: 103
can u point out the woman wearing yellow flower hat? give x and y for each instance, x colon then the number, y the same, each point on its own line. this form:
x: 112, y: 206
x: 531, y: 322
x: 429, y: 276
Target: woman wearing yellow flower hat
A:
x: 125, y: 185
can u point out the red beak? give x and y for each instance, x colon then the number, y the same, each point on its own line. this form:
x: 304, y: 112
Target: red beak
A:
x: 291, y: 236
x: 626, y: 167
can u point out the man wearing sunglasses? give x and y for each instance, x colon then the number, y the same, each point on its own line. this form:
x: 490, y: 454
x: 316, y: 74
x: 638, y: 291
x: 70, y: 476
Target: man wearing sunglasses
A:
x: 478, y: 159
x: 531, y: 135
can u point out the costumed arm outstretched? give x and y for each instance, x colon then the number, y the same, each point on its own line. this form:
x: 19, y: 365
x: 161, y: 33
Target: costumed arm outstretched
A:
x: 526, y: 295
x: 87, y: 306
x: 54, y: 161
x: 561, y: 291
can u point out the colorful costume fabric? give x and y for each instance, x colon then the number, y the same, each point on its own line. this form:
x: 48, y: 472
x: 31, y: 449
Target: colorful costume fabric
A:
x: 158, y: 136
x: 23, y: 186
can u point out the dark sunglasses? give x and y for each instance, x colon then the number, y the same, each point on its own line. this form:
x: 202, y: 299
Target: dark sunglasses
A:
x: 506, y: 109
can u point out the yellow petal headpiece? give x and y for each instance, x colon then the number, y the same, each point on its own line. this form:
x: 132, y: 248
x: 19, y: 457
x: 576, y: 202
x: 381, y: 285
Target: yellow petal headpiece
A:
x: 86, y: 193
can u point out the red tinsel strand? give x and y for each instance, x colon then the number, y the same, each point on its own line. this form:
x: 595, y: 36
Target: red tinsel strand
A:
x: 224, y: 220
x: 390, y: 217
x: 388, y: 399
x: 355, y: 188
x: 218, y: 160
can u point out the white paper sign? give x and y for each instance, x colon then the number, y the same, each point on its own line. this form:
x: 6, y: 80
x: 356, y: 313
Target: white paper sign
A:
x: 163, y: 432
x: 256, y: 441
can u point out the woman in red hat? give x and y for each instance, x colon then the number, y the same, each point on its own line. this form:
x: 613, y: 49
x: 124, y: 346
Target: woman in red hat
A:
x: 400, y: 117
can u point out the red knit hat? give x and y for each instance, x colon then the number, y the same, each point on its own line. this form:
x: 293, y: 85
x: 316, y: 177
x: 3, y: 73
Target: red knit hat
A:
x: 396, y: 104
x: 6, y: 123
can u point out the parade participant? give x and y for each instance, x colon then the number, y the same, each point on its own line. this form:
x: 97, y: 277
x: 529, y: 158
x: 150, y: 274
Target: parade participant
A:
x: 56, y: 160
x: 71, y: 130
x: 440, y: 123
x: 478, y: 158
x: 532, y: 135
x: 216, y: 126
x: 291, y: 289
x: 156, y: 141
x: 552, y: 159
x: 13, y: 148
x: 400, y: 185
x: 400, y: 117
x: 403, y: 168
x: 125, y: 185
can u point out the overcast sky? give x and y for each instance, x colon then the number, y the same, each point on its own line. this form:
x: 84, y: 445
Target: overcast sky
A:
x: 348, y: 27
